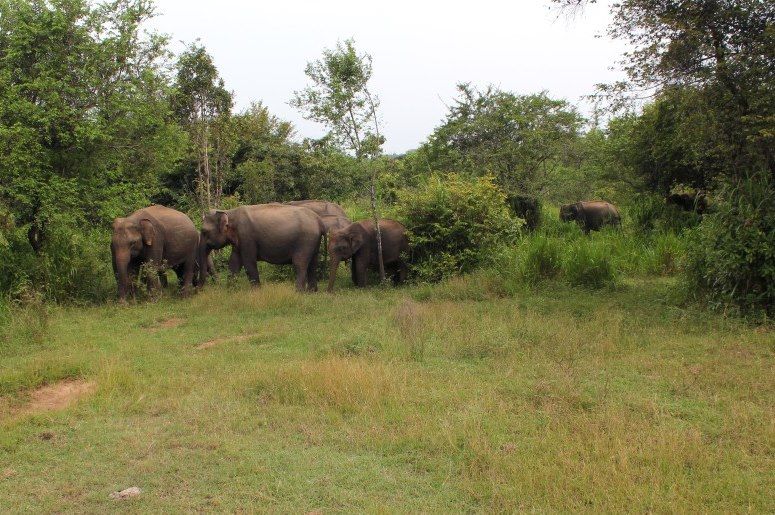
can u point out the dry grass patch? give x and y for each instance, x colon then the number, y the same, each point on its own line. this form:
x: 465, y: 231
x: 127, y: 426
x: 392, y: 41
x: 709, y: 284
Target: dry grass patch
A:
x: 347, y: 384
x: 166, y: 323
x: 226, y: 339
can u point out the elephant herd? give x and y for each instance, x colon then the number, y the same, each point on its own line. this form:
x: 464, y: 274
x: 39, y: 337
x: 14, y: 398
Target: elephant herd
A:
x: 287, y: 233
x: 279, y: 234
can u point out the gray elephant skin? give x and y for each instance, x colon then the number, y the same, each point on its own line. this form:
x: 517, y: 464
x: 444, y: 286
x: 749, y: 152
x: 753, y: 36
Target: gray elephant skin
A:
x: 591, y: 215
x: 320, y: 207
x: 276, y: 233
x: 359, y: 242
x: 158, y: 236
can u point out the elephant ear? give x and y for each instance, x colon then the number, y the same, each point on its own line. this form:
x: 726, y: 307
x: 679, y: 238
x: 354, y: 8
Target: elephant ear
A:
x: 357, y: 237
x: 148, y: 232
x: 223, y: 221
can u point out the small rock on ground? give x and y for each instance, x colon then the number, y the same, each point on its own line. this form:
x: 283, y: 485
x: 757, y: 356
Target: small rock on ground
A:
x: 132, y: 491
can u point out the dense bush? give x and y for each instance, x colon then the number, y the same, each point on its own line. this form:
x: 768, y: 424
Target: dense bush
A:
x: 652, y: 213
x: 455, y: 223
x: 72, y: 265
x: 732, y: 258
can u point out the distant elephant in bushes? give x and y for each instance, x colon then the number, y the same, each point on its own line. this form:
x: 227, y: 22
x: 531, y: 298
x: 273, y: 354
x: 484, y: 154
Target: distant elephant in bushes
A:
x: 320, y: 207
x: 696, y: 202
x: 526, y: 207
x: 591, y: 215
x: 158, y: 236
x: 359, y: 242
x: 276, y: 233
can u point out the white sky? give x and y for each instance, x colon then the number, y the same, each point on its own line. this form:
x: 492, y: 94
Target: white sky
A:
x: 421, y: 50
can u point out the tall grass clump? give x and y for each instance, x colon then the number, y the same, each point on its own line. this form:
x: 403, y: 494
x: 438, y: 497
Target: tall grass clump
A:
x: 455, y: 223
x: 541, y: 258
x: 590, y: 264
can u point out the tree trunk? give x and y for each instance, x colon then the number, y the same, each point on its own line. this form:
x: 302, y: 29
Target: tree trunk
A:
x: 375, y: 216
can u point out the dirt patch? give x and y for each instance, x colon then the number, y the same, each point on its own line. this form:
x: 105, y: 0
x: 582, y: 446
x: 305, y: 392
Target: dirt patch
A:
x: 58, y: 395
x: 167, y: 323
x: 226, y: 339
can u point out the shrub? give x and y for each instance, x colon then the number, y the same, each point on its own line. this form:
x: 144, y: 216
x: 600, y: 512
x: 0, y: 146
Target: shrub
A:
x: 652, y: 213
x: 73, y: 264
x: 589, y: 263
x: 454, y: 224
x: 732, y: 252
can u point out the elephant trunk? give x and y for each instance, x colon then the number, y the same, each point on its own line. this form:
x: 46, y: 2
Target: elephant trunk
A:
x: 332, y: 271
x: 203, y: 255
x: 121, y: 260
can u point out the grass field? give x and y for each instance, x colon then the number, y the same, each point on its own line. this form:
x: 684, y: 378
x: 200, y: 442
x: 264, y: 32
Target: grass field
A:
x: 426, y: 398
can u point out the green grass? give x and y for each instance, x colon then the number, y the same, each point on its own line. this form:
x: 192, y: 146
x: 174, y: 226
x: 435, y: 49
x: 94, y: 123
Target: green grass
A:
x: 427, y: 398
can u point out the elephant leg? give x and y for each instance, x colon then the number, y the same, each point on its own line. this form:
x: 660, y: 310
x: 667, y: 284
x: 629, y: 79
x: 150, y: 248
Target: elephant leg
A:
x: 163, y: 279
x: 186, y: 276
x: 300, y: 266
x: 399, y: 275
x: 133, y: 274
x: 249, y: 259
x: 359, y: 272
x: 312, y: 273
x: 235, y: 262
x: 152, y: 282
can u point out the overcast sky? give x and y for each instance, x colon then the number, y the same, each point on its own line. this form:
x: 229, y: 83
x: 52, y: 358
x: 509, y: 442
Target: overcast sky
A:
x: 421, y: 49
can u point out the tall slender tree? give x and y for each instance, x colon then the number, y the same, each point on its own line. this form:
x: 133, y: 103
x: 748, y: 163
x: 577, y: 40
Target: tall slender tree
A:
x: 339, y: 97
x: 203, y: 106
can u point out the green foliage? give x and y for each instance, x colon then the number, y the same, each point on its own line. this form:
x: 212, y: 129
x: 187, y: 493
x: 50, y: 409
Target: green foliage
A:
x: 83, y: 111
x: 72, y: 264
x: 733, y: 250
x: 516, y: 138
x: 454, y: 224
x: 339, y: 98
x: 650, y: 212
x: 85, y: 134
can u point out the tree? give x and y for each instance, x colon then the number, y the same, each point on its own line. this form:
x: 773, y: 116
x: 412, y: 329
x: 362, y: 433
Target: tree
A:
x: 85, y: 125
x: 339, y: 97
x: 516, y: 138
x: 711, y: 66
x: 203, y: 106
x: 719, y: 50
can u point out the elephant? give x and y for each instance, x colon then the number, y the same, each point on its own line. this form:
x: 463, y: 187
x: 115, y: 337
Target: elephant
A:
x: 276, y: 233
x: 156, y: 235
x: 359, y: 242
x: 321, y: 207
x: 334, y: 222
x: 526, y: 207
x: 591, y: 215
x: 696, y: 202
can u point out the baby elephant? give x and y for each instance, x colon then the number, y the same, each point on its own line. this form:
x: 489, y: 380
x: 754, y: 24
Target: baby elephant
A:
x: 359, y: 242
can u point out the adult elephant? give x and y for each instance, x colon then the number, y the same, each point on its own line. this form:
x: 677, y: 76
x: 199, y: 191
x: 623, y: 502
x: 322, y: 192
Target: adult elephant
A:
x: 696, y: 202
x: 158, y: 236
x: 334, y: 222
x: 276, y: 233
x: 359, y: 242
x: 591, y: 215
x: 320, y: 207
